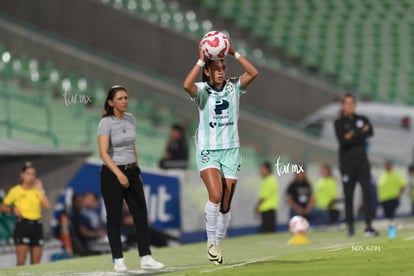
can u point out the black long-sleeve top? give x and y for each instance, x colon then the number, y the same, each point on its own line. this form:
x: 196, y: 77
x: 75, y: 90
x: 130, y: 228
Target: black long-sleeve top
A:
x: 355, y: 147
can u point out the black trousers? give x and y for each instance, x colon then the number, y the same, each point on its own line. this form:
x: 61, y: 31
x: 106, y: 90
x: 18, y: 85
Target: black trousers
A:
x: 354, y: 171
x: 268, y: 221
x: 389, y: 207
x: 114, y: 194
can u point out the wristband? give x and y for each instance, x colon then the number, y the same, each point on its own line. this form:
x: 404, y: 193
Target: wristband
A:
x: 237, y: 55
x: 200, y: 63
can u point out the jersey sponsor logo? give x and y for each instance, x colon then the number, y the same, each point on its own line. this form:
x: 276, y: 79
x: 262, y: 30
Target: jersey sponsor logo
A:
x: 212, y: 124
x: 220, y: 106
x: 215, y: 124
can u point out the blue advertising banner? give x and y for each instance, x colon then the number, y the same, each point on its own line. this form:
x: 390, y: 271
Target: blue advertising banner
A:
x: 163, y: 200
x: 162, y: 193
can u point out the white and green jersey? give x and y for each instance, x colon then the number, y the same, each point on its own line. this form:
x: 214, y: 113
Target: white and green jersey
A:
x: 219, y: 114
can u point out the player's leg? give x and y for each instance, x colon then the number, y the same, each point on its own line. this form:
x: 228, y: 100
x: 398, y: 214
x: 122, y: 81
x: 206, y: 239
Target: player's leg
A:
x: 349, y: 182
x: 231, y: 163
x: 229, y: 186
x: 36, y: 244
x: 36, y: 254
x: 364, y: 178
x: 212, y: 180
x: 389, y: 207
x: 21, y: 237
x: 135, y: 199
x: 21, y: 254
x: 268, y: 221
x: 113, y: 196
x: 394, y: 205
x: 209, y: 168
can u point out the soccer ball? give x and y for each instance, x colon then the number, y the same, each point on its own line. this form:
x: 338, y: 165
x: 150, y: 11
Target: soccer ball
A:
x: 215, y: 45
x: 298, y: 225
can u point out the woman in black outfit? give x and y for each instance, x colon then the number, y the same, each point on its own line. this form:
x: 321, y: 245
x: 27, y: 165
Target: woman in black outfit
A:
x: 121, y: 177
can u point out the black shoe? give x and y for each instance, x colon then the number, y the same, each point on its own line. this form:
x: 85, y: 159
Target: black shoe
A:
x: 371, y: 232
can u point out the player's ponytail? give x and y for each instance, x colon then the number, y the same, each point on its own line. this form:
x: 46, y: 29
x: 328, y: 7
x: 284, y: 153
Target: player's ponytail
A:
x: 109, y: 110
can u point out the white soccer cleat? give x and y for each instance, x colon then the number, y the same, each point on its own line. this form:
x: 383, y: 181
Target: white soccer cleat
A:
x: 213, y: 253
x: 219, y: 260
x: 120, y: 265
x: 148, y: 262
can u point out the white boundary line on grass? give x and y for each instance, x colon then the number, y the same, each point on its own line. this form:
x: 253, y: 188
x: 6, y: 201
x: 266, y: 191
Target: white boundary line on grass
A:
x: 237, y: 265
x: 409, y: 238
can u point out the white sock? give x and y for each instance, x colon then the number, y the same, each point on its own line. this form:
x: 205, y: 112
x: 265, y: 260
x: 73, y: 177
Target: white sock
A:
x: 222, y: 225
x: 211, y: 213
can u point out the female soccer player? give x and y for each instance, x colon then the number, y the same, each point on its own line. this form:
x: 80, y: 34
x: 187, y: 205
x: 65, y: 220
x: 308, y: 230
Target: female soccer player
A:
x: 218, y: 148
x: 121, y: 177
x: 26, y: 200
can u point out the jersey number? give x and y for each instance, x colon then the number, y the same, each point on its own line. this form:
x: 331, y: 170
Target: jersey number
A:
x: 220, y: 106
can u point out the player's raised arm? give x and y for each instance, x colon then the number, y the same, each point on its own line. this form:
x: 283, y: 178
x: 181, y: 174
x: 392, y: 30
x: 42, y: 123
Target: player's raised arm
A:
x: 191, y: 77
x: 251, y: 71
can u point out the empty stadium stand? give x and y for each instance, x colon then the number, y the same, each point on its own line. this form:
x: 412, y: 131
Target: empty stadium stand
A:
x: 365, y: 46
x: 60, y: 108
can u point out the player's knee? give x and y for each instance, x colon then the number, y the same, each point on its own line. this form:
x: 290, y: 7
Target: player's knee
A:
x: 224, y: 210
x: 214, y: 198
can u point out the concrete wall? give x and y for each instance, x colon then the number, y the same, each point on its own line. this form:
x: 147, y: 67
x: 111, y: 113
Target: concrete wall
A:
x: 132, y: 39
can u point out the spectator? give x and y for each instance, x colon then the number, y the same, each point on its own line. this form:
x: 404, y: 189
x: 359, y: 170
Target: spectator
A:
x: 26, y: 201
x: 268, y: 199
x: 90, y: 226
x: 326, y: 193
x: 390, y: 186
x: 411, y: 184
x: 157, y: 238
x: 300, y: 198
x: 176, y: 152
x: 79, y: 247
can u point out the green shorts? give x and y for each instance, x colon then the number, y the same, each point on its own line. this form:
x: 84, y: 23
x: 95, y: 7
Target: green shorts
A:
x: 228, y: 161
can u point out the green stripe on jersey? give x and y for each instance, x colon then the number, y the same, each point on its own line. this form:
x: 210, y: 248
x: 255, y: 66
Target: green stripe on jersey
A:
x: 219, y: 114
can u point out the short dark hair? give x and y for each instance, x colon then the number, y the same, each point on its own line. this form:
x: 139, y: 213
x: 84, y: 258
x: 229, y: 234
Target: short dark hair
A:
x: 268, y: 166
x: 348, y: 95
x: 411, y: 168
x: 328, y: 168
x: 178, y: 127
x: 95, y: 195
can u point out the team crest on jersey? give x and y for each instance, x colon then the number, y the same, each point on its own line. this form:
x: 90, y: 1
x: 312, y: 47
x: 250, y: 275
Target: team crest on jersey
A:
x: 205, y: 156
x: 229, y: 88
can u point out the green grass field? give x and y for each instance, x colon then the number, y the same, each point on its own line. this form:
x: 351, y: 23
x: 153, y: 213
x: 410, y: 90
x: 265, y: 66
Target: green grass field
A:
x: 330, y: 253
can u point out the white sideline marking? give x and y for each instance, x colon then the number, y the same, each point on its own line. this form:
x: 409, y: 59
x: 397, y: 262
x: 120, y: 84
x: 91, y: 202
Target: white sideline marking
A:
x: 409, y: 238
x: 112, y: 273
x: 336, y: 247
x: 222, y: 267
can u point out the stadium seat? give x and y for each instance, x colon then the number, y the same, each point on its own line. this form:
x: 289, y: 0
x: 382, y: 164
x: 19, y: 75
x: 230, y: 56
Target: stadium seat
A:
x: 349, y: 41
